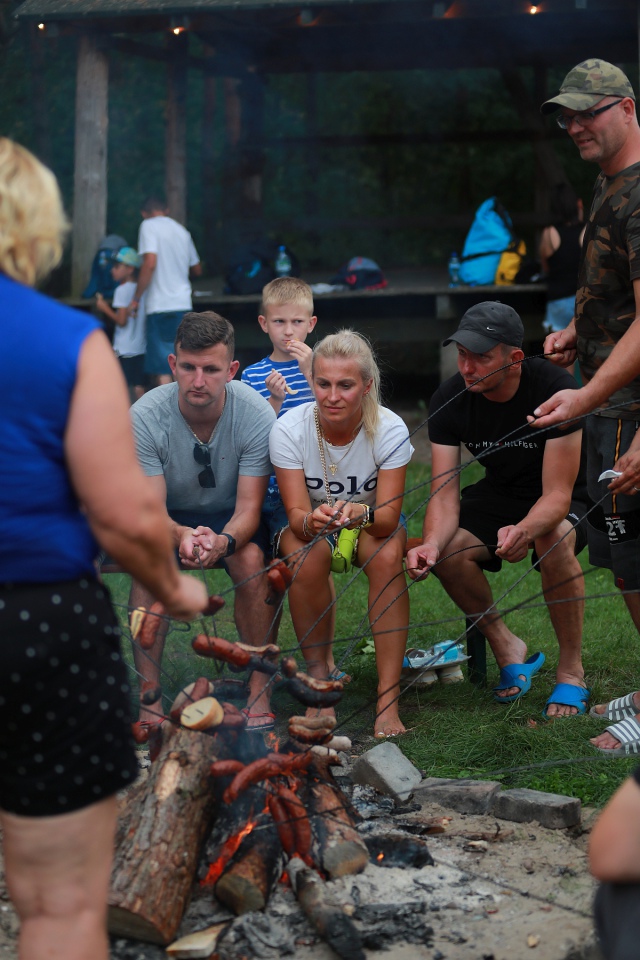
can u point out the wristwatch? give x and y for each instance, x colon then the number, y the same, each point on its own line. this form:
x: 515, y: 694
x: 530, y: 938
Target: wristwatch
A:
x: 231, y: 548
x: 370, y: 517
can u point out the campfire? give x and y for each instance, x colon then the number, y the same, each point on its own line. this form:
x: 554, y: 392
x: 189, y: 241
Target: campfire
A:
x: 232, y: 810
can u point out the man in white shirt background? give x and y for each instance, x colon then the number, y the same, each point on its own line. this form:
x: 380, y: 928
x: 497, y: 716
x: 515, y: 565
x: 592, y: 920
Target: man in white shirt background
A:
x: 169, y: 260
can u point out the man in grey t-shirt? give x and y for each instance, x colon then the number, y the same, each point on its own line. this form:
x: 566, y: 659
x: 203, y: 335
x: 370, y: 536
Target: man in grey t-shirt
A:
x: 204, y: 442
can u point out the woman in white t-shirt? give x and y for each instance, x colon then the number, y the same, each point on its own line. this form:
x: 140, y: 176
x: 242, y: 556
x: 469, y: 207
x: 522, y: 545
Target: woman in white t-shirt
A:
x: 341, y: 462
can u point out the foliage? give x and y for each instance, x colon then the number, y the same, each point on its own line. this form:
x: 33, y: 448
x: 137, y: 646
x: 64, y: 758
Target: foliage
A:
x: 304, y: 186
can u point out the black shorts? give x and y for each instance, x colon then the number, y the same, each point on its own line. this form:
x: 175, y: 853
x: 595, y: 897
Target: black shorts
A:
x: 133, y: 369
x: 483, y: 512
x: 614, y: 524
x: 65, y: 724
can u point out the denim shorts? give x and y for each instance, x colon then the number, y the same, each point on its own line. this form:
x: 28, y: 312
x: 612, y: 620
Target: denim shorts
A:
x: 216, y: 522
x: 161, y: 334
x: 559, y: 314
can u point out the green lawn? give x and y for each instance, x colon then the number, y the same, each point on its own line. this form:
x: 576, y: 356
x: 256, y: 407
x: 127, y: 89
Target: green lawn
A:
x: 458, y: 730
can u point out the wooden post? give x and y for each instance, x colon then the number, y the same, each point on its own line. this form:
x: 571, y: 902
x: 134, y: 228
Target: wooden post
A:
x: 546, y: 156
x: 90, y: 175
x: 39, y: 98
x: 211, y: 214
x: 176, y: 132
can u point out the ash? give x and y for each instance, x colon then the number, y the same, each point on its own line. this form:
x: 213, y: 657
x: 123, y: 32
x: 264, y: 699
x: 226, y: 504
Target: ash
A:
x: 400, y: 898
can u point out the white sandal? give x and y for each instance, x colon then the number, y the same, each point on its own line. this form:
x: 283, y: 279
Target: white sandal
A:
x: 619, y: 709
x: 627, y: 732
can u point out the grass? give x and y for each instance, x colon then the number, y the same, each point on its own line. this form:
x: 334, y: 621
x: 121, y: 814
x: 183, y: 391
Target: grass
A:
x: 458, y: 730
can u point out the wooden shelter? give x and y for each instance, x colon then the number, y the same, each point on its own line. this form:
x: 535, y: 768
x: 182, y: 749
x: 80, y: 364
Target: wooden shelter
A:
x: 245, y: 41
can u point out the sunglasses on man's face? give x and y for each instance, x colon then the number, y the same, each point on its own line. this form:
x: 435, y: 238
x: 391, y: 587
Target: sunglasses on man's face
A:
x: 202, y: 456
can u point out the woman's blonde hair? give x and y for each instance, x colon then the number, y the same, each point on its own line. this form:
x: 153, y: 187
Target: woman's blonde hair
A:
x: 349, y: 345
x: 32, y: 220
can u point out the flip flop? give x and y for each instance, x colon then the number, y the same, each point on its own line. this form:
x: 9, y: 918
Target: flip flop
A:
x: 337, y: 674
x: 628, y: 733
x: 568, y: 695
x: 619, y: 709
x: 511, y: 674
x: 259, y: 727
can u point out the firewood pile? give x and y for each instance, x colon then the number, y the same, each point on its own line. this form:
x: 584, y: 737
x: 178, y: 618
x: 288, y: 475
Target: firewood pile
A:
x: 223, y: 808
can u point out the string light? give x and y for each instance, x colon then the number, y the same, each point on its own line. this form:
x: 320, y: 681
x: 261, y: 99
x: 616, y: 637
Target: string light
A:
x: 533, y: 9
x: 179, y: 25
x: 41, y: 26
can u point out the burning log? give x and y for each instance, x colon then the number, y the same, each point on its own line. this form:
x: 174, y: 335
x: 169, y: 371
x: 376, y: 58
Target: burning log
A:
x: 156, y: 857
x: 337, y: 846
x: 253, y: 872
x: 330, y: 920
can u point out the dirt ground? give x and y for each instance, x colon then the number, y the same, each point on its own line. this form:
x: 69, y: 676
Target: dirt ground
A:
x: 496, y: 891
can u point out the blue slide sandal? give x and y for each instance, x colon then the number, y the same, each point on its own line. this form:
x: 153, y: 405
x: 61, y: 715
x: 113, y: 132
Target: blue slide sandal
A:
x: 568, y: 695
x: 510, y: 676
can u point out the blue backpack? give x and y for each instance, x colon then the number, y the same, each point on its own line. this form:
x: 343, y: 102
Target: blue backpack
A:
x: 101, y: 280
x: 489, y: 236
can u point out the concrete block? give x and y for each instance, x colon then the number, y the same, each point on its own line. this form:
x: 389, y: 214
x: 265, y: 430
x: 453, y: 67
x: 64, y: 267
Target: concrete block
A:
x: 549, y: 809
x: 464, y: 796
x: 386, y: 768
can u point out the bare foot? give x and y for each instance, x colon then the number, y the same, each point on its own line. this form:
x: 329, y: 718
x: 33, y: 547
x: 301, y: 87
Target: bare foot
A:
x: 388, y: 727
x: 388, y: 722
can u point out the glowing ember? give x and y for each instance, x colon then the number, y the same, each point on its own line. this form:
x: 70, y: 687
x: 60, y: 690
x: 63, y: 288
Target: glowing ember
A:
x: 229, y: 848
x: 380, y: 856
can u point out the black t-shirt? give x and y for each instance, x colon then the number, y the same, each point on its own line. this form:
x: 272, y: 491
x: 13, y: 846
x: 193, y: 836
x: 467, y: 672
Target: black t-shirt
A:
x: 498, y: 433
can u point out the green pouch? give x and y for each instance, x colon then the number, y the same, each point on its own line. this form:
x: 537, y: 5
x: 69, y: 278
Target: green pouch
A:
x: 344, y: 551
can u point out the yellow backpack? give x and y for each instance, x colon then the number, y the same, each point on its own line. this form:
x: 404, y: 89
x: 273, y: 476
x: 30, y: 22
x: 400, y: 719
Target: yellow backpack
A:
x: 510, y: 262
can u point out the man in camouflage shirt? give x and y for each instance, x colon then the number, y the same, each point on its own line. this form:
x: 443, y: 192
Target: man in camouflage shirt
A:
x: 597, y: 109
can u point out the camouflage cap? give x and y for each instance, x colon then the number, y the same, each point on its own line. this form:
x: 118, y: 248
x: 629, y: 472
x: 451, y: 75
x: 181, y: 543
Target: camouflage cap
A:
x: 587, y: 84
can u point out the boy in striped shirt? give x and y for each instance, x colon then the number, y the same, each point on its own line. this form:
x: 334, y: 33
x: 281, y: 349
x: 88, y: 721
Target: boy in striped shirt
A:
x: 284, y: 377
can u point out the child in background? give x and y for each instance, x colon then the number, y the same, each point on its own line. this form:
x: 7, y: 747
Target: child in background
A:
x: 287, y: 319
x: 284, y: 377
x: 129, y: 342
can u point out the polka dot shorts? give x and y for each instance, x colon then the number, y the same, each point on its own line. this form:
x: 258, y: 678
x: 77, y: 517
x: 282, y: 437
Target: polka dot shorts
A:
x: 65, y: 738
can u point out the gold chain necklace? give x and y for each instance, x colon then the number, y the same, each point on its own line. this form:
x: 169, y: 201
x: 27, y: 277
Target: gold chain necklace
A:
x: 324, y: 442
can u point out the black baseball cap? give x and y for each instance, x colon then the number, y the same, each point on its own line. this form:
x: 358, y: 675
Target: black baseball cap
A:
x: 487, y: 324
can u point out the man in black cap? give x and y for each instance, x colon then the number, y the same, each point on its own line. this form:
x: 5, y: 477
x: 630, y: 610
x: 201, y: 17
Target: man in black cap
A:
x: 531, y: 495
x: 596, y: 106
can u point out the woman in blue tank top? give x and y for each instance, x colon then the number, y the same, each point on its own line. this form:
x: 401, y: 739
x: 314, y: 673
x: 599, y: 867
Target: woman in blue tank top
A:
x: 69, y: 480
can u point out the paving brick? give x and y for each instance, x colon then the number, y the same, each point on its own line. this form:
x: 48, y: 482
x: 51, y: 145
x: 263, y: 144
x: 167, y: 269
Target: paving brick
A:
x: 386, y: 768
x: 549, y: 809
x: 465, y: 796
